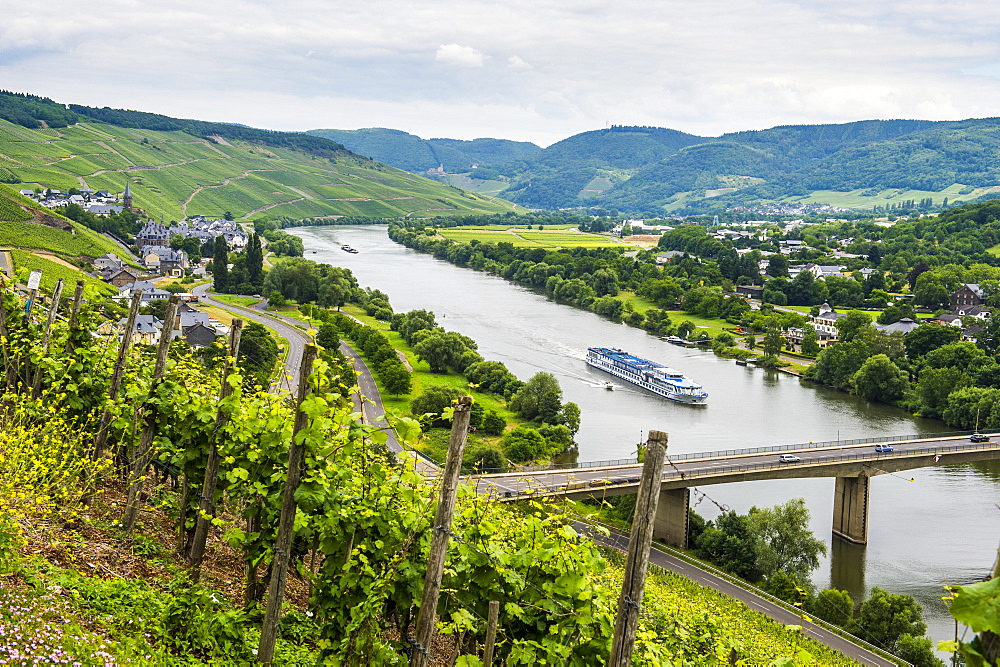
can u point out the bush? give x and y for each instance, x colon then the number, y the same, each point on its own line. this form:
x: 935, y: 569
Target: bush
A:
x: 493, y: 423
x: 525, y: 444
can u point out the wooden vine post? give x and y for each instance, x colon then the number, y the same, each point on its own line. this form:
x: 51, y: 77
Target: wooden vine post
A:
x: 286, y: 523
x: 427, y: 616
x: 74, y: 314
x: 116, y: 377
x: 36, y: 384
x: 142, y: 454
x: 206, y: 506
x: 637, y: 560
x: 491, y: 632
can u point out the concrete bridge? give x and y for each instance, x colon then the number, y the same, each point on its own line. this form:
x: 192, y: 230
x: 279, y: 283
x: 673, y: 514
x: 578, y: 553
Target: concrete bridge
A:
x: 853, y: 463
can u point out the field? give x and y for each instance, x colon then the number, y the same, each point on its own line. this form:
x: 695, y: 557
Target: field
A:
x: 529, y: 238
x: 85, y: 242
x: 857, y: 198
x: 25, y: 262
x: 173, y: 174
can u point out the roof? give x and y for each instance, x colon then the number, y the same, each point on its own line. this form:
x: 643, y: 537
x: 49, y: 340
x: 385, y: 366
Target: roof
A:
x: 143, y: 323
x: 906, y: 325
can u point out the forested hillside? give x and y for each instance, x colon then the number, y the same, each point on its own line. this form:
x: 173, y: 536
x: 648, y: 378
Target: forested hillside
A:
x: 656, y: 170
x: 410, y: 152
x: 182, y: 167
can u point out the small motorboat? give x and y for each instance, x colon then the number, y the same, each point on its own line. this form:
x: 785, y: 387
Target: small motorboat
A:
x: 741, y: 362
x: 609, y: 385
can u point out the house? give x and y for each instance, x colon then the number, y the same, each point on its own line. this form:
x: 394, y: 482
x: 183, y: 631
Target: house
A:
x: 947, y: 318
x: 123, y: 278
x: 969, y: 294
x: 164, y: 260
x: 149, y: 291
x: 26, y: 192
x: 664, y: 257
x: 821, y: 272
x: 199, y: 335
x: 103, y: 209
x: 905, y: 325
x: 825, y: 322
x: 147, y: 329
x: 108, y: 261
x: 750, y: 291
x: 152, y: 234
x: 973, y: 311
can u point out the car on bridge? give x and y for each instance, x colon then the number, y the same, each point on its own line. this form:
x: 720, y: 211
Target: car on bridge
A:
x: 789, y: 458
x: 883, y: 448
x: 979, y: 437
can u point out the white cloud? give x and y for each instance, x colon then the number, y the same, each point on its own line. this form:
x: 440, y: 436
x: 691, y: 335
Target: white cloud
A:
x: 709, y: 67
x: 515, y: 62
x: 456, y: 54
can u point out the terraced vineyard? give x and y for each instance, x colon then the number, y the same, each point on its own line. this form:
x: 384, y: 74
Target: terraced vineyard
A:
x: 174, y: 174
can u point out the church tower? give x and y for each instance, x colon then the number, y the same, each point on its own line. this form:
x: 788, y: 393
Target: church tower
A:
x: 127, y: 198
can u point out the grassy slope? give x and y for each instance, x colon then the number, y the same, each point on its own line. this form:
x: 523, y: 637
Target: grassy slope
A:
x: 523, y: 238
x: 18, y: 231
x: 175, y: 174
x: 25, y: 262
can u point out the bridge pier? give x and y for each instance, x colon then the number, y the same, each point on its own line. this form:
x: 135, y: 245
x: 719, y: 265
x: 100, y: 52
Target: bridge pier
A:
x: 671, y: 522
x: 850, y: 508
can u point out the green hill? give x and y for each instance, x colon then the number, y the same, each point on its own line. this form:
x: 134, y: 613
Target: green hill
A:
x: 180, y: 167
x: 860, y: 164
x: 410, y: 152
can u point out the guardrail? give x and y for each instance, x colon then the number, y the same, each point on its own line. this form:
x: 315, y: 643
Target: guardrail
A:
x: 735, y: 452
x: 674, y: 474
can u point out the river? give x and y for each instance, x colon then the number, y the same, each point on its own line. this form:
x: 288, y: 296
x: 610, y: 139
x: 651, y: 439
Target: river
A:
x: 927, y: 527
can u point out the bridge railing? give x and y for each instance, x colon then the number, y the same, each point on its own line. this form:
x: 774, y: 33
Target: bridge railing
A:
x: 731, y: 452
x: 675, y: 474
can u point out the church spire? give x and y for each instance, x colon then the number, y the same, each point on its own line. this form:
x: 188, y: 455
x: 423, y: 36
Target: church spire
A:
x: 127, y: 198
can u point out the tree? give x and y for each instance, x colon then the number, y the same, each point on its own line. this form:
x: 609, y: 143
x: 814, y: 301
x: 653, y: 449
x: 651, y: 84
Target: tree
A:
x: 258, y: 353
x: 929, y: 337
x: 729, y: 543
x: 810, y: 341
x: 525, y: 444
x: 434, y: 399
x: 777, y: 266
x: 885, y: 617
x: 834, y: 606
x: 396, y: 379
x: 255, y: 261
x: 328, y: 336
x: 931, y: 290
x: 784, y: 541
x: 852, y: 323
x: 540, y: 398
x: 772, y: 343
x: 569, y: 415
x: 446, y: 349
x: 493, y: 423
x: 220, y: 265
x: 879, y: 379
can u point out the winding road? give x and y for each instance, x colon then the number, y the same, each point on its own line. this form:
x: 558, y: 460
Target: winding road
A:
x: 369, y: 402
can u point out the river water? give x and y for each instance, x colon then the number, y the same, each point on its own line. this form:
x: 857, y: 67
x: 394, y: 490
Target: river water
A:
x: 927, y: 527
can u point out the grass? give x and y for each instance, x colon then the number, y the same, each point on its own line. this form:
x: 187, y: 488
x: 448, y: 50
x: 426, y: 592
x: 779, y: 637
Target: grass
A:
x: 84, y: 243
x: 25, y: 262
x: 245, y: 301
x: 858, y: 198
x: 712, y: 326
x: 559, y: 236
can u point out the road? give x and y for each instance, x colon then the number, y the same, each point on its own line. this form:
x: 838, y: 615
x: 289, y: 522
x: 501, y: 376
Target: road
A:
x: 826, y: 460
x: 753, y: 601
x: 368, y: 401
x: 374, y: 413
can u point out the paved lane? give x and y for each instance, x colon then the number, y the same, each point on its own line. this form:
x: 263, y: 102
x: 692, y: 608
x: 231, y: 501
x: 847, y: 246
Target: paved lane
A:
x: 756, y: 602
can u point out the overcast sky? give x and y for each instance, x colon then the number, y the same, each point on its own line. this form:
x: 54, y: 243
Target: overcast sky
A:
x: 534, y: 70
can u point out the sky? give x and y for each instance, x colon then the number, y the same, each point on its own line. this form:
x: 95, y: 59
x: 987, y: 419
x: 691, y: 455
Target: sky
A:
x: 528, y: 70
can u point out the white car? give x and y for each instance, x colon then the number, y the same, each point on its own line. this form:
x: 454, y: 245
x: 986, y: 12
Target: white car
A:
x: 788, y: 458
